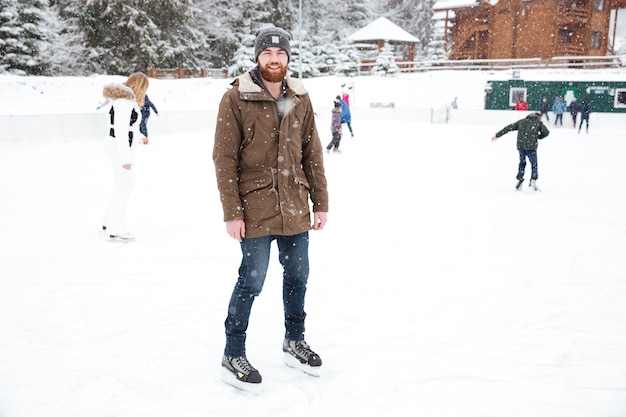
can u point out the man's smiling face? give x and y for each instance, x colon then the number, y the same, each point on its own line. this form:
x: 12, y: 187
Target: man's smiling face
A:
x: 273, y: 63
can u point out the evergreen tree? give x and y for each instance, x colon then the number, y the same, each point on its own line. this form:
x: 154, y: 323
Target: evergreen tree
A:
x: 422, y: 27
x: 10, y: 31
x: 348, y: 61
x: 386, y: 63
x: 63, y: 50
x: 128, y: 36
x: 282, y: 13
x: 220, y: 22
x: 78, y: 37
x: 354, y: 15
x: 20, y: 35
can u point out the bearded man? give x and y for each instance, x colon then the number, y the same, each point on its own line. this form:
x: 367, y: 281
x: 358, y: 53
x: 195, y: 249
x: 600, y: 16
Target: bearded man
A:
x: 268, y: 164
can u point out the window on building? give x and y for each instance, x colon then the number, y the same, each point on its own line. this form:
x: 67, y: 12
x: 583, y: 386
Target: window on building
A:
x: 516, y: 94
x: 620, y: 98
x: 598, y: 5
x: 596, y: 40
x: 565, y: 36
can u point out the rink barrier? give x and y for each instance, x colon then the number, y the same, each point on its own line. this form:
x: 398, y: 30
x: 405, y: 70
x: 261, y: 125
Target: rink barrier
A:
x: 86, y: 126
x: 45, y: 128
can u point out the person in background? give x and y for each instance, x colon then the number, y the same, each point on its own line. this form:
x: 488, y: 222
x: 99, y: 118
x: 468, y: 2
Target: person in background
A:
x: 585, y: 111
x: 145, y: 115
x: 558, y: 107
x: 544, y: 106
x: 346, y: 115
x: 335, y: 127
x: 268, y: 163
x: 520, y: 104
x: 574, y: 108
x: 122, y: 136
x: 346, y: 98
x: 529, y: 130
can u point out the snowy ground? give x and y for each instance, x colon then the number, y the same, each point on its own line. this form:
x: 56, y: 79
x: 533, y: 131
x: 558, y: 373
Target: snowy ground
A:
x: 436, y: 289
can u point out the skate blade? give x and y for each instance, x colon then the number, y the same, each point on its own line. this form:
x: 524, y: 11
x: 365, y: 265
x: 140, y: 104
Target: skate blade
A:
x: 230, y: 379
x: 292, y: 362
x: 121, y: 239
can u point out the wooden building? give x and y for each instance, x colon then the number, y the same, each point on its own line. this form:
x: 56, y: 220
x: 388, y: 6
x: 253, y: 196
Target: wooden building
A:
x: 516, y: 29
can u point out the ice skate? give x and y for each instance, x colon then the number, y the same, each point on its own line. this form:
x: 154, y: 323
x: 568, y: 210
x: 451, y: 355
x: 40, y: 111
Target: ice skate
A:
x: 239, y: 373
x: 299, y: 355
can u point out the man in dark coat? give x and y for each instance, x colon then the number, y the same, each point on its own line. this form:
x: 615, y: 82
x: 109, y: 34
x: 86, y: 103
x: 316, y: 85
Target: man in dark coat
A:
x: 574, y: 108
x: 585, y: 111
x: 529, y: 130
x: 544, y: 107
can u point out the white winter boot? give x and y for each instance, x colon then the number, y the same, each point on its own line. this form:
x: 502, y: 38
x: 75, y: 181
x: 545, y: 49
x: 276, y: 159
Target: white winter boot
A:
x: 533, y: 185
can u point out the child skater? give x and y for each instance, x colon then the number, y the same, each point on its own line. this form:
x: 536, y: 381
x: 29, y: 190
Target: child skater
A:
x: 335, y: 127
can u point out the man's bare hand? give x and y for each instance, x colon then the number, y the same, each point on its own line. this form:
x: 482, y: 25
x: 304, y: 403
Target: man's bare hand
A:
x: 236, y: 229
x: 319, y: 220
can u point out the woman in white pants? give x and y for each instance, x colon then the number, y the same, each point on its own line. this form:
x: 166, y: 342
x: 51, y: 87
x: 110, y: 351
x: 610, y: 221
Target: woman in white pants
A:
x: 122, y: 136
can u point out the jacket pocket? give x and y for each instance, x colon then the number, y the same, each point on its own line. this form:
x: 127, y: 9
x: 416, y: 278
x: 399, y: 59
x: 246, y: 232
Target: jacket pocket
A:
x: 301, y: 180
x: 255, y: 181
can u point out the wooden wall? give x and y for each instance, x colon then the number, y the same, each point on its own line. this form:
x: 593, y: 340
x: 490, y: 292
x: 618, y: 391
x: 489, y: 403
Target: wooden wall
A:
x: 527, y: 29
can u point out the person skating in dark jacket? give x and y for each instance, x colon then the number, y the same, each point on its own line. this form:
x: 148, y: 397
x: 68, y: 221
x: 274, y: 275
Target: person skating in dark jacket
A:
x: 529, y: 130
x: 544, y: 107
x: 585, y: 111
x: 145, y: 114
x: 574, y: 108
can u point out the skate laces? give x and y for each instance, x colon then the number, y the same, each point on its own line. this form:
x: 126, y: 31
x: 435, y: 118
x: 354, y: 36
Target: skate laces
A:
x: 243, y: 364
x: 303, y: 349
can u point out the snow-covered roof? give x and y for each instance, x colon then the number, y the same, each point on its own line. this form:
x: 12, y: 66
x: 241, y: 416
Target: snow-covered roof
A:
x: 382, y: 29
x: 459, y: 4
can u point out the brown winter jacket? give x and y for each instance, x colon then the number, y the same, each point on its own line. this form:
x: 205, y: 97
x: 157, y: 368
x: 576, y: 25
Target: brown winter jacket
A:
x: 266, y: 170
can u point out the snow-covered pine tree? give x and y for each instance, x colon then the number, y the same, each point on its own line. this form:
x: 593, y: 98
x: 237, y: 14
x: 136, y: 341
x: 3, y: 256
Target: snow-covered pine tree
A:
x: 10, y: 33
x: 219, y: 22
x: 422, y: 27
x: 354, y: 14
x: 436, y: 47
x: 348, y: 61
x: 63, y: 49
x: 281, y: 13
x: 126, y: 36
x: 243, y: 60
x: 20, y: 34
x: 386, y: 62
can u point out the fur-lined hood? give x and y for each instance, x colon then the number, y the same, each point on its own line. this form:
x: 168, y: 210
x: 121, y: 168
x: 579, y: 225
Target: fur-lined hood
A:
x: 117, y: 90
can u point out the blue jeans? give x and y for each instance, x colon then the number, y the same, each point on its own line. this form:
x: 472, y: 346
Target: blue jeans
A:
x: 143, y: 126
x: 532, y: 158
x: 293, y: 254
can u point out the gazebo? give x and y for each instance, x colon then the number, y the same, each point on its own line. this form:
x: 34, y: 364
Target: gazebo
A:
x: 382, y: 31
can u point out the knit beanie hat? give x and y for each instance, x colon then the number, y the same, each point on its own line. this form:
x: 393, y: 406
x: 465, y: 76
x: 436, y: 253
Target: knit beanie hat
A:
x: 271, y: 36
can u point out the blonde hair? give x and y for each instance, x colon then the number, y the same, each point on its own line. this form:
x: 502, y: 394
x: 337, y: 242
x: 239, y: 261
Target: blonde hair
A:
x: 138, y: 82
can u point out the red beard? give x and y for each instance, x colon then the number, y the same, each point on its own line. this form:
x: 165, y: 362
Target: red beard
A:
x: 273, y: 76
